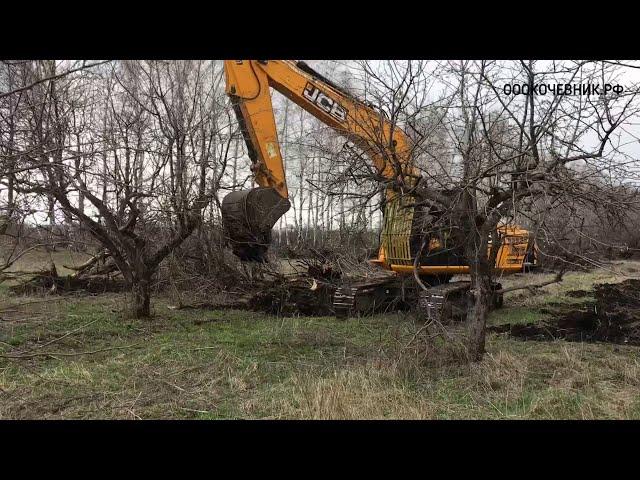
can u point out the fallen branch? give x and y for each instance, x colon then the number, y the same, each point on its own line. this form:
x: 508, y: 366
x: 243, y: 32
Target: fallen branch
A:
x: 59, y: 338
x: 102, y: 255
x: 61, y: 354
x: 67, y: 334
x: 532, y: 288
x: 10, y: 262
x: 48, y: 300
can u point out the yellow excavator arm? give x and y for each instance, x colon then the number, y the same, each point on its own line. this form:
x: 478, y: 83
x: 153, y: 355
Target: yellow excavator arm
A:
x: 249, y: 215
x: 248, y: 82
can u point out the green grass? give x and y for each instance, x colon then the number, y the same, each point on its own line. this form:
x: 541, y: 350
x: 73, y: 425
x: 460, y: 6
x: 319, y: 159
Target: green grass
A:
x: 524, y: 307
x: 236, y: 364
x: 555, y: 293
x: 225, y: 356
x: 517, y: 315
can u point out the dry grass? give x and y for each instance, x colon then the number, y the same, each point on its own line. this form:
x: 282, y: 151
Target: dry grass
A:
x: 232, y: 364
x: 616, y: 272
x: 525, y: 307
x: 540, y: 381
x: 40, y: 259
x: 358, y: 393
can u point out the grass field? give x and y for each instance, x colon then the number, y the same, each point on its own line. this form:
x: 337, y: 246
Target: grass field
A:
x: 80, y: 357
x: 40, y: 258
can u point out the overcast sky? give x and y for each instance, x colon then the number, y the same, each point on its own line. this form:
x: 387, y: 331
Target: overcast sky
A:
x: 629, y: 133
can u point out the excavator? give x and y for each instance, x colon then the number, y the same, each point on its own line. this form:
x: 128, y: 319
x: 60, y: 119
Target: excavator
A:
x: 249, y: 215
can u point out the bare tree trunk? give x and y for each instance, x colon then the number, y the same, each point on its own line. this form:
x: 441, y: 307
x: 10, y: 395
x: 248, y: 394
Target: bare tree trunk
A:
x: 301, y: 171
x: 105, y: 167
x: 479, y: 304
x: 51, y: 210
x: 311, y: 206
x: 141, y: 290
x: 80, y: 166
x: 318, y: 206
x: 234, y: 166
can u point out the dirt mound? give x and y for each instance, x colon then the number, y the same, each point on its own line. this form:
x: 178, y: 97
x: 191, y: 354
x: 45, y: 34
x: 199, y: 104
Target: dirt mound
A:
x: 614, y: 317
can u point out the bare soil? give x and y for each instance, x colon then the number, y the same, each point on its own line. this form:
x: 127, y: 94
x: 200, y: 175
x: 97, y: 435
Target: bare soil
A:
x: 613, y: 317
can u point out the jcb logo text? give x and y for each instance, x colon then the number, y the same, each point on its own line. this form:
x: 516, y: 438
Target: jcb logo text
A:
x: 324, y: 102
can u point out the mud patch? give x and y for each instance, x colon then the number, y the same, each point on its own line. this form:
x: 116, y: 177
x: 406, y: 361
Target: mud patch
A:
x: 614, y: 317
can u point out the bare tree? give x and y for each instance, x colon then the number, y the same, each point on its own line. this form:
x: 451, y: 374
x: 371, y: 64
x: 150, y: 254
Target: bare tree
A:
x: 488, y: 156
x: 144, y: 143
x: 521, y: 155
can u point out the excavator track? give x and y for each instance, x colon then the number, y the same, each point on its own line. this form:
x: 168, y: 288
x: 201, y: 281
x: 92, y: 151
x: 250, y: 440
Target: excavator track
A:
x: 444, y: 302
x: 370, y: 296
x: 344, y: 301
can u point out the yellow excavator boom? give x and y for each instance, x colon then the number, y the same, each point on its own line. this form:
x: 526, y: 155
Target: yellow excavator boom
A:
x: 249, y: 215
x: 248, y: 83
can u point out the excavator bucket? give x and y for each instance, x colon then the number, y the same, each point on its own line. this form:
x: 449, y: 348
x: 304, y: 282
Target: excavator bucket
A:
x: 248, y: 217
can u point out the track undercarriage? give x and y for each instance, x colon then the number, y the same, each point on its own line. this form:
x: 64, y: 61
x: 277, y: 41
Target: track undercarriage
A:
x: 442, y: 300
